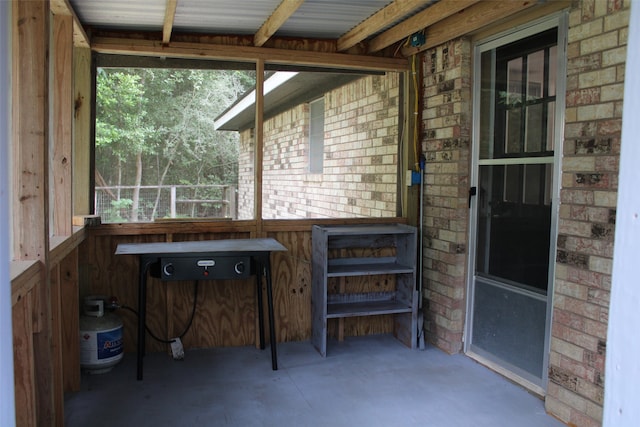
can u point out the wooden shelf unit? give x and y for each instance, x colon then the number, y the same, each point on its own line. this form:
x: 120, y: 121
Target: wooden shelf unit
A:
x: 402, y: 303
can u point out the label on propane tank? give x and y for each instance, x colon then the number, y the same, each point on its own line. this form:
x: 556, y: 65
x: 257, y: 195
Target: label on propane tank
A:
x: 100, y: 346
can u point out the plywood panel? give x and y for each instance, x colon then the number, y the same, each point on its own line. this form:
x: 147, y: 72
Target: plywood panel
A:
x: 118, y: 276
x: 56, y: 347
x: 291, y: 273
x: 226, y: 309
x: 69, y: 311
x: 226, y: 313
x: 25, y: 392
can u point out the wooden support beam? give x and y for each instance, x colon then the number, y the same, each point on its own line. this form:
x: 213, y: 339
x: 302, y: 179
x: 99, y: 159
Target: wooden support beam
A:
x: 169, y: 16
x: 467, y: 21
x: 30, y: 130
x: 379, y: 20
x: 540, y: 11
x: 30, y: 86
x: 429, y: 16
x: 82, y: 146
x: 62, y: 7
x: 62, y: 124
x: 247, y: 53
x: 279, y: 16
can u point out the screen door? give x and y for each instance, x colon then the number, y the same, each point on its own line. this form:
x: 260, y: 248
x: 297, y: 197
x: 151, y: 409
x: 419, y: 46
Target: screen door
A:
x: 513, y: 235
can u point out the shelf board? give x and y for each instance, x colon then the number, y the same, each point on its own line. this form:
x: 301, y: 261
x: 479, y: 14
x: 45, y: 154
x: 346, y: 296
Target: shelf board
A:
x: 366, y: 229
x: 365, y: 267
x: 366, y: 308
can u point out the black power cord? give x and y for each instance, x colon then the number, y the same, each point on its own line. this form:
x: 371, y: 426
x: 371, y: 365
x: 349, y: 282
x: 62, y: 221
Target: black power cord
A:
x: 114, y: 304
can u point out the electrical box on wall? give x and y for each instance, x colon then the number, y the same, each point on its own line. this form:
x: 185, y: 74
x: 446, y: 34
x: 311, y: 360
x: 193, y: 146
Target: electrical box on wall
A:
x: 413, y: 177
x: 417, y: 39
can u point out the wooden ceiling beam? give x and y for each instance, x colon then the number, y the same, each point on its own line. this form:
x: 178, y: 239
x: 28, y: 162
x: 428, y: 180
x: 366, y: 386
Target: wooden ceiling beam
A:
x: 379, y: 20
x: 169, y: 16
x: 429, y: 16
x: 63, y: 7
x: 467, y: 21
x: 279, y: 16
x: 247, y: 53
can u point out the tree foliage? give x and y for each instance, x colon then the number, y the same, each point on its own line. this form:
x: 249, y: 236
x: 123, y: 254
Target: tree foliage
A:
x: 156, y: 127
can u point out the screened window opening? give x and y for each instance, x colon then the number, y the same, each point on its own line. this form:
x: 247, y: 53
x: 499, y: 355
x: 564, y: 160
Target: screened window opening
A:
x: 181, y: 143
x: 158, y: 154
x: 336, y: 157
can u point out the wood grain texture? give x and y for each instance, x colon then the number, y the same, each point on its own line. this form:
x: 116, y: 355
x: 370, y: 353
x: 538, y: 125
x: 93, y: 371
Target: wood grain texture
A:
x: 226, y: 312
x: 24, y: 369
x: 30, y: 210
x: 56, y: 347
x: 278, y: 17
x: 30, y: 90
x: 134, y: 46
x: 291, y: 272
x: 70, y: 318
x: 82, y: 131
x: 62, y: 124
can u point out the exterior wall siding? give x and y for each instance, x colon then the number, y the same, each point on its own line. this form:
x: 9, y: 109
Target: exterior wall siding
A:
x: 359, y: 176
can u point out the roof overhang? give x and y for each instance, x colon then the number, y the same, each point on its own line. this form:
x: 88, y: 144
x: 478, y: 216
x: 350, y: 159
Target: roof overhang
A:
x: 282, y: 91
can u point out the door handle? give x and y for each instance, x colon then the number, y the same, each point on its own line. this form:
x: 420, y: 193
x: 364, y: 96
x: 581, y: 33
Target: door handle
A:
x: 472, y: 192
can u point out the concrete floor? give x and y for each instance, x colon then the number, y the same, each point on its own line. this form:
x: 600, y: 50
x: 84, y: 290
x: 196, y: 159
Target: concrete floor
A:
x: 367, y: 381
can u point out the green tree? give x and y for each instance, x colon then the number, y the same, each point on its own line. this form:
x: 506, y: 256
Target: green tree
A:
x: 157, y: 126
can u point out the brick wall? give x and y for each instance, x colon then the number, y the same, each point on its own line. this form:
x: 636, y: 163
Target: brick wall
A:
x: 595, y: 71
x: 446, y: 122
x: 595, y: 80
x: 246, y: 173
x: 360, y: 156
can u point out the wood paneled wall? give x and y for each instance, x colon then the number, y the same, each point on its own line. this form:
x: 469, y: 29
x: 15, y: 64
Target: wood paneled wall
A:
x: 62, y: 356
x: 226, y: 312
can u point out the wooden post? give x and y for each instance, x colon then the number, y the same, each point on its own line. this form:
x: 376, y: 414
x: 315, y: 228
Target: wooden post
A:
x: 30, y: 185
x: 259, y: 144
x: 173, y: 201
x: 82, y: 152
x: 62, y: 124
x: 258, y: 168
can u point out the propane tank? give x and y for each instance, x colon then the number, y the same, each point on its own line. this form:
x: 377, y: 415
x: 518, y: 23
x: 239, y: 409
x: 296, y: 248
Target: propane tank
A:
x: 100, y: 337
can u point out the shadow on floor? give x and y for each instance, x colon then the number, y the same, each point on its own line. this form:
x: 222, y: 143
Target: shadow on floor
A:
x: 366, y: 381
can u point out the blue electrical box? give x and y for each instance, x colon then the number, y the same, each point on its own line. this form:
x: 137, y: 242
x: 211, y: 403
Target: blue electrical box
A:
x: 417, y: 39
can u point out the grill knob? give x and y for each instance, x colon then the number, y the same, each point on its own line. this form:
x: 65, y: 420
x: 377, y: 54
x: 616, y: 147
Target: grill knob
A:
x: 169, y: 269
x: 239, y: 267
